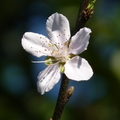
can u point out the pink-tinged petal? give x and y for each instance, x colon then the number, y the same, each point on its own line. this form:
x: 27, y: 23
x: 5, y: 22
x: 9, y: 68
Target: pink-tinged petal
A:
x: 78, y: 69
x: 58, y: 29
x: 79, y: 41
x: 36, y: 44
x: 48, y: 78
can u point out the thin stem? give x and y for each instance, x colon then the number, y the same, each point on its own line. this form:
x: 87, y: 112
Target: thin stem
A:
x: 62, y: 99
x: 64, y: 94
x: 80, y: 22
x: 84, y: 14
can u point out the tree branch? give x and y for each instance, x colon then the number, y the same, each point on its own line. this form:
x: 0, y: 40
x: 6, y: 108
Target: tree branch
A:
x: 63, y: 98
x: 85, y: 12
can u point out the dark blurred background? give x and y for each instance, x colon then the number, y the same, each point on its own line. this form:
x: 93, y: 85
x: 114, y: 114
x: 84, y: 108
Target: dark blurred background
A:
x: 96, y: 99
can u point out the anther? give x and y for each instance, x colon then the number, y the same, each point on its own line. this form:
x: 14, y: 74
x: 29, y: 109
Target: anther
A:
x: 36, y: 51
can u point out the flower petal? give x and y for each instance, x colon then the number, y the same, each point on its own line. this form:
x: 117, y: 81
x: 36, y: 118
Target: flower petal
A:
x: 36, y: 44
x: 79, y: 41
x: 48, y: 78
x: 58, y: 29
x: 78, y: 69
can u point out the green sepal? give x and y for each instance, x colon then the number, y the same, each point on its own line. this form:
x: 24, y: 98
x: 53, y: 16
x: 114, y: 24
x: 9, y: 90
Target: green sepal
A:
x: 50, y: 60
x: 91, y: 5
x: 71, y: 56
x: 62, y: 67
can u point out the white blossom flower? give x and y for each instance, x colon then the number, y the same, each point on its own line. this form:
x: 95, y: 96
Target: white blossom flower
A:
x: 61, y: 52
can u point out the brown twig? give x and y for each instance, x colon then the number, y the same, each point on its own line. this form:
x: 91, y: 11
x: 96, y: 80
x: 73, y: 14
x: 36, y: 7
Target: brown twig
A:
x: 63, y: 98
x: 84, y: 14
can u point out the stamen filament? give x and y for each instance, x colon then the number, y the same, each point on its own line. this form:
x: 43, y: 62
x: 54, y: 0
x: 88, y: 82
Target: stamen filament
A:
x: 43, y: 61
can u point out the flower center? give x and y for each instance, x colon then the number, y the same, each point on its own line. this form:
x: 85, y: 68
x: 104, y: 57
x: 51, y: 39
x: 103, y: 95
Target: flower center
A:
x: 59, y: 54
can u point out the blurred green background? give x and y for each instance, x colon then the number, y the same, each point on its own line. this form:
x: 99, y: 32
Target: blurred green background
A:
x: 96, y: 99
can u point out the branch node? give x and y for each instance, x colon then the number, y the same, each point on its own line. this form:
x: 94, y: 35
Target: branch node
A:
x: 69, y: 92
